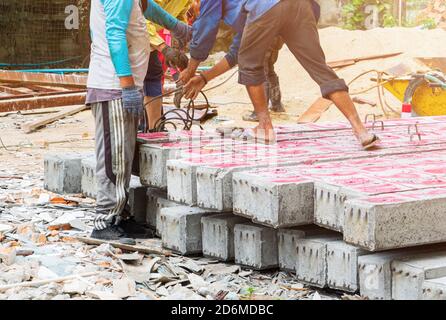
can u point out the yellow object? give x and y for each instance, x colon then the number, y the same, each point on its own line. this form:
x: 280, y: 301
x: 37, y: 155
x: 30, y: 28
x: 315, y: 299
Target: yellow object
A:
x: 425, y: 102
x: 176, y: 8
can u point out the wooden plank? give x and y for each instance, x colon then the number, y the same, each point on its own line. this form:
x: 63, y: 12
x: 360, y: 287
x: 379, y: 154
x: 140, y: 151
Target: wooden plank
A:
x: 58, y: 100
x: 314, y: 112
x: 43, y: 88
x: 44, y: 78
x: 434, y: 63
x: 135, y: 248
x: 28, y: 113
x: 32, y: 126
x: 40, y: 94
x: 9, y: 90
x: 349, y: 62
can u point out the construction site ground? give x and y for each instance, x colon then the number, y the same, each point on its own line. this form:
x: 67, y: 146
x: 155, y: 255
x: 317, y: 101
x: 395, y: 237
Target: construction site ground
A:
x: 105, y: 271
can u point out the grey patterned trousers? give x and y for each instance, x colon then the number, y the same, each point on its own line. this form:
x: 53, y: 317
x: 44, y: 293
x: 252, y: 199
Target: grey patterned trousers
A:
x: 115, y: 147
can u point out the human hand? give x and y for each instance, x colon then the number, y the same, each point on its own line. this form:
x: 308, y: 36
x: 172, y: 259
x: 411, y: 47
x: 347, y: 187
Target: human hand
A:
x: 194, y: 87
x: 186, y: 75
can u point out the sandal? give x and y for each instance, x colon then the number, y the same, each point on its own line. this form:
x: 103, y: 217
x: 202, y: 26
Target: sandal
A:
x: 250, y: 135
x: 371, y: 143
x: 251, y: 117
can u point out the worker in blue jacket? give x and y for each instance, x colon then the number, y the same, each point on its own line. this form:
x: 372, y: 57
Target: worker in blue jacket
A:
x: 257, y: 24
x: 119, y: 59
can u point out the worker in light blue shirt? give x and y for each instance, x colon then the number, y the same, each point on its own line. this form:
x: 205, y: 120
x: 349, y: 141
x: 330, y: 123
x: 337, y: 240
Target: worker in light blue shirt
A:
x: 258, y: 24
x: 118, y: 65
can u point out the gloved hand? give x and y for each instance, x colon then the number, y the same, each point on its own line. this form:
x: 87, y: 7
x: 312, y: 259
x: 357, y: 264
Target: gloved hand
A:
x: 183, y: 33
x: 175, y: 58
x: 133, y: 101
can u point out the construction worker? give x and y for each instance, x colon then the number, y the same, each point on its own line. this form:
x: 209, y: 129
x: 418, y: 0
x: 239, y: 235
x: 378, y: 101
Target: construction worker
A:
x: 272, y: 84
x: 119, y: 60
x: 174, y: 58
x: 258, y: 23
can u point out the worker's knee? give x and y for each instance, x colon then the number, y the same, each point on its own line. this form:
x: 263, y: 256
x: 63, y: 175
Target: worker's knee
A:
x: 251, y: 71
x: 330, y: 87
x: 251, y: 78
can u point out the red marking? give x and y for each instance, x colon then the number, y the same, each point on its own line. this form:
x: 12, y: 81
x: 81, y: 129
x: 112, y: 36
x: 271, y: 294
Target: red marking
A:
x: 291, y: 180
x: 386, y: 199
x: 437, y: 171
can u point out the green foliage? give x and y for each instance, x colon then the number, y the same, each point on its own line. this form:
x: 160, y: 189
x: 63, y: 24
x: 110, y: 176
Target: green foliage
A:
x: 388, y: 20
x: 429, y: 23
x: 353, y: 13
x: 250, y: 291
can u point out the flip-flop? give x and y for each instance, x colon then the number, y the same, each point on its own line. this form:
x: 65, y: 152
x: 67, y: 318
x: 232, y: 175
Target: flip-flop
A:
x: 227, y: 130
x: 249, y: 135
x: 252, y: 117
x: 372, y: 143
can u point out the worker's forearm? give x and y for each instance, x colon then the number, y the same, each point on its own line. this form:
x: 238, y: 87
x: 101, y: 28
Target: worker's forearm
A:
x: 220, y: 68
x: 193, y: 66
x: 155, y: 13
x: 127, y: 82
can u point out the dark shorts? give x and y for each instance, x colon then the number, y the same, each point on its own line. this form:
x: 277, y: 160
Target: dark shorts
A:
x: 153, y: 86
x: 295, y: 22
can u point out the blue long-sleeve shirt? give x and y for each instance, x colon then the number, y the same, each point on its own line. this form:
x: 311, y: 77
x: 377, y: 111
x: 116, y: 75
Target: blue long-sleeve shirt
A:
x: 235, y: 13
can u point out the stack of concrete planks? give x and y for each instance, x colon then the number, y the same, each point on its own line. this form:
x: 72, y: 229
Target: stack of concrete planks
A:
x: 314, y: 204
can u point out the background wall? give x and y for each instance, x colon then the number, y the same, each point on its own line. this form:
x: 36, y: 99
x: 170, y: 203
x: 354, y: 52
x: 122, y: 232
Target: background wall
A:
x: 45, y: 30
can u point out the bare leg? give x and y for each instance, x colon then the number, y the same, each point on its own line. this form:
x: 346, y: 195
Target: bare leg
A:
x: 153, y: 111
x: 258, y: 98
x: 345, y: 104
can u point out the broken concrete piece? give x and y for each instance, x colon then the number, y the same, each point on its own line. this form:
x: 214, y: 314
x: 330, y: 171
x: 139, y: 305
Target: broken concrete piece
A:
x: 69, y: 220
x: 196, y: 281
x: 5, y: 228
x: 124, y: 288
x: 75, y: 287
x: 134, y: 257
x: 102, y: 295
x: 8, y: 255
